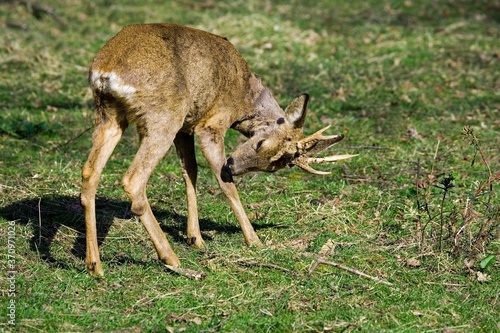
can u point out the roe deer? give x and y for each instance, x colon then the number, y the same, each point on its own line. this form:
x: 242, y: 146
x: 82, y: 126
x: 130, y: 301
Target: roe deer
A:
x: 175, y: 82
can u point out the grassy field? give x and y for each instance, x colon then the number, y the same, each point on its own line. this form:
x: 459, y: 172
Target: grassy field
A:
x: 417, y: 209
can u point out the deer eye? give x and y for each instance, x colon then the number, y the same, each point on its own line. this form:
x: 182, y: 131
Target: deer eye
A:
x: 259, y: 144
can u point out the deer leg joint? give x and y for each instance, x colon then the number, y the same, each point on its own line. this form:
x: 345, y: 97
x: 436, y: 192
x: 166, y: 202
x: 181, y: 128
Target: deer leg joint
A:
x: 138, y: 207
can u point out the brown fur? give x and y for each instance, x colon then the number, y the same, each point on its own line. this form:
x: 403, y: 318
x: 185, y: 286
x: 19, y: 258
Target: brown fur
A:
x: 176, y: 83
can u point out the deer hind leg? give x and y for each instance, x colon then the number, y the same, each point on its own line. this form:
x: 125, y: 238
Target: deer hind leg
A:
x: 184, y: 143
x: 155, y: 142
x: 212, y: 146
x: 107, y: 133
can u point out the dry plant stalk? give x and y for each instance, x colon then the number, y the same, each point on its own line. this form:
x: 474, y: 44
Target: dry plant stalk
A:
x: 189, y: 273
x: 348, y: 269
x: 426, y: 204
x: 469, y: 215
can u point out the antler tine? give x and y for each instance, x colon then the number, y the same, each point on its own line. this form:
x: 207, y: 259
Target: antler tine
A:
x: 319, y: 133
x: 321, y: 130
x: 308, y: 168
x: 317, y: 142
x: 333, y: 158
x: 303, y: 163
x: 314, y: 144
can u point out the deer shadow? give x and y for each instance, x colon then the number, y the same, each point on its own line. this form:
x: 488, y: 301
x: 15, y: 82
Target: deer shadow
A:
x: 49, y: 214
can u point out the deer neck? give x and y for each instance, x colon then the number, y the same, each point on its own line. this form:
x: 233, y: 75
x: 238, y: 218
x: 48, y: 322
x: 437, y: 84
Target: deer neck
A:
x: 264, y: 113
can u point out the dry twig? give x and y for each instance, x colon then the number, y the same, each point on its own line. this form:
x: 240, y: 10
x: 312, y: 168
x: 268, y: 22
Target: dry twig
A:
x: 71, y: 140
x: 258, y: 264
x: 39, y: 10
x: 189, y: 273
x: 349, y: 269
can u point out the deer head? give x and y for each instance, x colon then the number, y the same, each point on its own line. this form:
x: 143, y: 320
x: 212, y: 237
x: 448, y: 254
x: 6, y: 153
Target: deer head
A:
x: 282, y: 144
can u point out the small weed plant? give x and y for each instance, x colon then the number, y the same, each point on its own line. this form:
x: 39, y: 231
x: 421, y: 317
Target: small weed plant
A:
x: 462, y: 223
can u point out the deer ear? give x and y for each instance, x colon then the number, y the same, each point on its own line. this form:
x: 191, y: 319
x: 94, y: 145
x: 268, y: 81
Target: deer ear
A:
x: 295, y: 113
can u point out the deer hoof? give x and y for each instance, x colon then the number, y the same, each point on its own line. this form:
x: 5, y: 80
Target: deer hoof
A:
x: 254, y: 243
x: 95, y: 269
x: 197, y: 242
x: 173, y: 261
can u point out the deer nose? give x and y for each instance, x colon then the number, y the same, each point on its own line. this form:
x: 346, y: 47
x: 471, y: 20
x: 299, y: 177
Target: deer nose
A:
x: 226, y: 174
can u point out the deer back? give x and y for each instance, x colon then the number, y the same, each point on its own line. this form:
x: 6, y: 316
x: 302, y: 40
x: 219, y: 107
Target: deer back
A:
x: 191, y: 72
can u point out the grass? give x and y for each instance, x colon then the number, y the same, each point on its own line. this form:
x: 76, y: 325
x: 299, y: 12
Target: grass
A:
x: 400, y: 78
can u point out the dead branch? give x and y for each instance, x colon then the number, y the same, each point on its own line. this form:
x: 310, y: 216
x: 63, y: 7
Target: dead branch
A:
x: 71, y: 140
x: 16, y: 25
x: 259, y: 264
x: 189, y: 273
x: 345, y: 268
x: 38, y: 11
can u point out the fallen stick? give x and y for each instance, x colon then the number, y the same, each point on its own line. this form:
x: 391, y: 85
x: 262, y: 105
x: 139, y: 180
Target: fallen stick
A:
x: 349, y: 269
x: 252, y: 263
x: 38, y: 10
x: 189, y: 273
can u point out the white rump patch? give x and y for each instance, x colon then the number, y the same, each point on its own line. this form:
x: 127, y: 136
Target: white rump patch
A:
x: 112, y: 83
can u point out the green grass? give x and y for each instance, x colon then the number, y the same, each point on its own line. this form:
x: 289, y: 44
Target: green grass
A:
x: 376, y: 71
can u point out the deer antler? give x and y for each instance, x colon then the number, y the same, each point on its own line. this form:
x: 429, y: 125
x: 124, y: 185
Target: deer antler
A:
x: 303, y: 162
x: 317, y: 142
x: 314, y: 144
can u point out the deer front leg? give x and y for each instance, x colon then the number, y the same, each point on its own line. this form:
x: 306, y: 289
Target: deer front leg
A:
x: 184, y: 143
x: 212, y: 146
